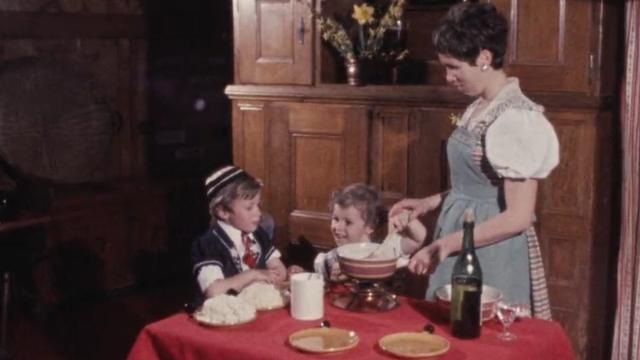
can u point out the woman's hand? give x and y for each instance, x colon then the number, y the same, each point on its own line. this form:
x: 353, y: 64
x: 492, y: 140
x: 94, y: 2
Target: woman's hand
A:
x: 427, y: 259
x: 417, y: 207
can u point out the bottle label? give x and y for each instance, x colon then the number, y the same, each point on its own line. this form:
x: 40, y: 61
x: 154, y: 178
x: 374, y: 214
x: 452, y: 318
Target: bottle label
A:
x: 461, y: 296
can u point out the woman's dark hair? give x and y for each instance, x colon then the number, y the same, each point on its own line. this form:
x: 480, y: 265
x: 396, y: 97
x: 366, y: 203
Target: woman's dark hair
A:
x: 469, y: 28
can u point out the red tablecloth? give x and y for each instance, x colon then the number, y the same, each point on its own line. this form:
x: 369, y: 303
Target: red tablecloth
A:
x: 180, y: 337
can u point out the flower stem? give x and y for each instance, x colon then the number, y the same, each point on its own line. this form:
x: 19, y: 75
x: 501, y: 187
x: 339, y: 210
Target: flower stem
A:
x: 362, y: 40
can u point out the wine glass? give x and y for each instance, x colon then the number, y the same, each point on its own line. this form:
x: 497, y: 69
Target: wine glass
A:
x: 506, y: 314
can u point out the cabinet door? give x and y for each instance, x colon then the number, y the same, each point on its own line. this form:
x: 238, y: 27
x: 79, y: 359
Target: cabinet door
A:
x: 550, y: 47
x: 314, y: 149
x: 550, y: 43
x: 574, y: 218
x: 272, y: 42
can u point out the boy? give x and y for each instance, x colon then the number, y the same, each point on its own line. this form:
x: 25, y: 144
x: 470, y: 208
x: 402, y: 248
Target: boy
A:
x: 235, y: 251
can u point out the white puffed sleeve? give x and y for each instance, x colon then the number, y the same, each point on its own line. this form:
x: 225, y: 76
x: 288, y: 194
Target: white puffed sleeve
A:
x: 522, y: 144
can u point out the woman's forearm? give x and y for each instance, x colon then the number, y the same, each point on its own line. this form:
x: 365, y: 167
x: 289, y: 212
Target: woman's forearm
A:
x: 520, y: 198
x: 498, y: 228
x: 434, y: 201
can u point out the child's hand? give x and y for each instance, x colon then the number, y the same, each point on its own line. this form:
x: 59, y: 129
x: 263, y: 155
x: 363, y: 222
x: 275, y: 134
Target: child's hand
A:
x: 264, y: 275
x: 278, y: 274
x: 427, y: 259
x: 336, y: 274
x: 399, y: 221
x: 294, y: 269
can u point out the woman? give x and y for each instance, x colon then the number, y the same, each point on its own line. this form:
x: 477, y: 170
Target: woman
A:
x: 502, y: 147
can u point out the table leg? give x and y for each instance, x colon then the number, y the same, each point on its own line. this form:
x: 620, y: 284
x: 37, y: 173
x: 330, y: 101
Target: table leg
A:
x: 5, y: 308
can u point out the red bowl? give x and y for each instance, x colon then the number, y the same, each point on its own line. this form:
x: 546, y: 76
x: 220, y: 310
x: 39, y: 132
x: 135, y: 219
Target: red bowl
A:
x: 354, y: 262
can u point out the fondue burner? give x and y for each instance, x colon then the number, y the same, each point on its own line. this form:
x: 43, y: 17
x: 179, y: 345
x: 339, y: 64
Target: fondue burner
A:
x: 369, y: 296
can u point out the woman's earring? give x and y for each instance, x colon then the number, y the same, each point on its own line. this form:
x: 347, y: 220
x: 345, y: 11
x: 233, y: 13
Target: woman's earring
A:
x: 484, y: 67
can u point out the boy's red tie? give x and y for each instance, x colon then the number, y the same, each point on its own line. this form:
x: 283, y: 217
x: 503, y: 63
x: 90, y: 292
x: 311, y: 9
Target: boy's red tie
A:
x: 250, y: 257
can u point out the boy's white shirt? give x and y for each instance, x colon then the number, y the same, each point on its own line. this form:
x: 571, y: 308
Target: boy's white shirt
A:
x: 210, y: 273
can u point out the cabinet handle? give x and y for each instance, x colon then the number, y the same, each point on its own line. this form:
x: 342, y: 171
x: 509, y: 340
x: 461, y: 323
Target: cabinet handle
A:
x: 301, y: 31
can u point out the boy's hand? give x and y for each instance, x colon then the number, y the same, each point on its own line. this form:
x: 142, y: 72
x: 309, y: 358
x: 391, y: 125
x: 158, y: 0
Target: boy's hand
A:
x: 294, y: 269
x: 278, y: 274
x: 264, y: 275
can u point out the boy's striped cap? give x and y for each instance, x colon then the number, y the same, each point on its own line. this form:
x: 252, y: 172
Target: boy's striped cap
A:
x: 221, y: 178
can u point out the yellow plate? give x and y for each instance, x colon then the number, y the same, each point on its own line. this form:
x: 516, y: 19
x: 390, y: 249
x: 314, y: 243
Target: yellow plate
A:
x: 323, y: 340
x: 414, y: 344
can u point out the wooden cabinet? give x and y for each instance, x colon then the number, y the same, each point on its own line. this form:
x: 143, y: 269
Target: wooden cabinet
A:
x: 307, y: 140
x: 303, y: 152
x: 272, y: 42
x: 574, y: 226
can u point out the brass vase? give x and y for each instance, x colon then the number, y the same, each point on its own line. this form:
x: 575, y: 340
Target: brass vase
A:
x: 354, y: 72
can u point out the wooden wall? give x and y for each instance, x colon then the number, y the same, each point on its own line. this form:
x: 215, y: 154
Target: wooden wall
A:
x: 105, y: 36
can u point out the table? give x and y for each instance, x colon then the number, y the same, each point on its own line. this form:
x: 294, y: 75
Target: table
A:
x: 180, y: 337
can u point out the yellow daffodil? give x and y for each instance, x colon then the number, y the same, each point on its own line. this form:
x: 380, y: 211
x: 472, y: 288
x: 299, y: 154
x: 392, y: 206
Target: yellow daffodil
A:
x: 455, y: 119
x: 363, y: 13
x: 370, y: 38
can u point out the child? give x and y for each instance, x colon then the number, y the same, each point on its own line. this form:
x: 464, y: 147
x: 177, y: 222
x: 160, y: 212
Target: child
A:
x: 356, y: 214
x: 235, y: 251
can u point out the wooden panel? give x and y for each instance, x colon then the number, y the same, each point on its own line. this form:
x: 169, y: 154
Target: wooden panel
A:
x: 390, y: 152
x: 428, y: 172
x: 320, y: 148
x: 550, y: 43
x: 331, y: 121
x: 564, y: 189
x: 274, y: 18
x: 269, y: 46
x: 112, y: 63
x: 278, y: 181
x: 249, y: 130
x: 33, y: 25
x: 313, y: 227
x: 318, y: 169
x: 254, y: 146
x: 549, y: 46
x: 532, y: 46
x: 563, y: 268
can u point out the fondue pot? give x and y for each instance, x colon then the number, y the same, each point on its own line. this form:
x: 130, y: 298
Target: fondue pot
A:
x: 363, y: 261
x: 368, y: 265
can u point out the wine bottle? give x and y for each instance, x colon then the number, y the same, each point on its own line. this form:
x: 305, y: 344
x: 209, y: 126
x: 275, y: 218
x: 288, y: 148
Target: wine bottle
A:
x: 466, y: 286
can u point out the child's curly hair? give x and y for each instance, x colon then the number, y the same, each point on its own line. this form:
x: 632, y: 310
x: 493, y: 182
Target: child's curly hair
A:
x: 364, y: 198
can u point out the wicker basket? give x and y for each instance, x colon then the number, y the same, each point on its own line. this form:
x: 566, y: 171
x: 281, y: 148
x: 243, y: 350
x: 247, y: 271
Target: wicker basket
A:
x: 53, y: 123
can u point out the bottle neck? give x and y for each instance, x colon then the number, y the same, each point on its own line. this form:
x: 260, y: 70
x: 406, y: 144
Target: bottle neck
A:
x: 467, y: 237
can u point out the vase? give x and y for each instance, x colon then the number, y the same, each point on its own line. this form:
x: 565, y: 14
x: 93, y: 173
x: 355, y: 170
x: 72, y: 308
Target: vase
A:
x: 354, y: 72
